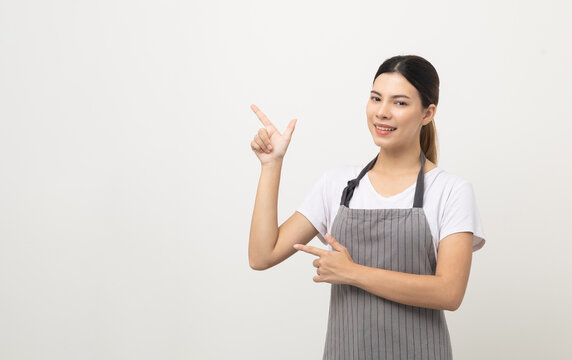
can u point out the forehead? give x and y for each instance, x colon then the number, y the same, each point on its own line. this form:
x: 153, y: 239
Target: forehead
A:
x: 389, y: 84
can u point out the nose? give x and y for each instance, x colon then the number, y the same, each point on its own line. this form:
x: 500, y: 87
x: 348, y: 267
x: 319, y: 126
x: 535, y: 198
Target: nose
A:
x: 383, y: 110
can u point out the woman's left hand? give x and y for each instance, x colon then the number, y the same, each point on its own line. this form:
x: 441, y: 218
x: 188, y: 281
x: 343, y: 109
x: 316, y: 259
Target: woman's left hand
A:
x: 335, y: 267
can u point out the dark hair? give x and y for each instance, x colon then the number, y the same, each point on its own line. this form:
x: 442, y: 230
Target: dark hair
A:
x: 423, y: 76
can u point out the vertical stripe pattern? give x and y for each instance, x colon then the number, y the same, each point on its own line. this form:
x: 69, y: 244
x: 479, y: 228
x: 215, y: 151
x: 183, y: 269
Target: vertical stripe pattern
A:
x: 362, y: 325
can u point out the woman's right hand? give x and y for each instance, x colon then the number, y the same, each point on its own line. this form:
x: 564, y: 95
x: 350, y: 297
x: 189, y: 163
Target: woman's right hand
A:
x: 269, y: 145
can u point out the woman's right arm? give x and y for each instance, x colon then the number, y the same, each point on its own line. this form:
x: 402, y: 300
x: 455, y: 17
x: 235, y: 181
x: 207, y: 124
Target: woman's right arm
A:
x: 269, y: 244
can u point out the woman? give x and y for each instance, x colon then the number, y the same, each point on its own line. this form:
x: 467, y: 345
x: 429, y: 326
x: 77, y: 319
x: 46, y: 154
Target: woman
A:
x: 401, y: 238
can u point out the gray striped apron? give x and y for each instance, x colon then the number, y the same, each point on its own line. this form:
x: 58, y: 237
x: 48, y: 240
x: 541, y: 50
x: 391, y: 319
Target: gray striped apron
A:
x: 362, y: 325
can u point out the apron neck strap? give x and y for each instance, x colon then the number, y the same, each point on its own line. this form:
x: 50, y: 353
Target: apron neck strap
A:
x: 419, y: 187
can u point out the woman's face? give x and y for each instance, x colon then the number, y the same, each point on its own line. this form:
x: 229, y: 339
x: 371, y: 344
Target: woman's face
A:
x: 395, y: 103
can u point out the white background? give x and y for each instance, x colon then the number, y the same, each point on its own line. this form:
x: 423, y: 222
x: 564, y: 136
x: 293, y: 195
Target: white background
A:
x: 127, y: 181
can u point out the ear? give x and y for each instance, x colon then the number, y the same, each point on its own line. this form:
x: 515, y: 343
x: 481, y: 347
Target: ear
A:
x: 429, y: 114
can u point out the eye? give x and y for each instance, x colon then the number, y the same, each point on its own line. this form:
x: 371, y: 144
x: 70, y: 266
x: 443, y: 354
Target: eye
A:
x: 401, y: 102
x: 374, y: 97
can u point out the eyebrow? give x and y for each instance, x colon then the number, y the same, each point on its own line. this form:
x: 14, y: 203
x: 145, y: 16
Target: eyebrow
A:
x: 393, y: 97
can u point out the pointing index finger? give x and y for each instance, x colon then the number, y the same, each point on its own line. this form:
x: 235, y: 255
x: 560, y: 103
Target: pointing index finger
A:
x: 261, y: 115
x: 309, y: 249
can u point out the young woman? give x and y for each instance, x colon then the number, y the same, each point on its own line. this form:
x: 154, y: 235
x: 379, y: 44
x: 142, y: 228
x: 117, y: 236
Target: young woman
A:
x: 400, y: 231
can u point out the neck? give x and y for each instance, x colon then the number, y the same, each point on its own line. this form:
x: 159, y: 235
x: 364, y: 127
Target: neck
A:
x: 398, y: 162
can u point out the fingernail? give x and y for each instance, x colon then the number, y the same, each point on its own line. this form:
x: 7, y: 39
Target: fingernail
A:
x: 269, y: 147
x: 296, y: 246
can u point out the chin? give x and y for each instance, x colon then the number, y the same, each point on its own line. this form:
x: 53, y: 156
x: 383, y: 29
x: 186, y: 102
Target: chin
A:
x: 377, y: 141
x: 385, y: 143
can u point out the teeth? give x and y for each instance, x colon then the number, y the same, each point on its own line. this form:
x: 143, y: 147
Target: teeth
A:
x: 385, y: 129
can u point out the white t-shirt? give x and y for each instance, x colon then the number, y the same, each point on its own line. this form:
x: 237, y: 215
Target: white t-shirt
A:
x: 448, y: 202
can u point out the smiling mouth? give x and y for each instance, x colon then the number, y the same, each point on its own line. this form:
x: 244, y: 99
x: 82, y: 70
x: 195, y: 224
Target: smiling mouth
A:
x: 384, y: 128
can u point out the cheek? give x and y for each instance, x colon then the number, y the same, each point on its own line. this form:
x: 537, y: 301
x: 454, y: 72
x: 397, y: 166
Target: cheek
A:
x: 369, y: 108
x: 369, y: 112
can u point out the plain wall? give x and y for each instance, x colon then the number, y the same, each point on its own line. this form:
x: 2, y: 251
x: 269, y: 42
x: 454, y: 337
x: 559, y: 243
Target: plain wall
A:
x: 127, y: 182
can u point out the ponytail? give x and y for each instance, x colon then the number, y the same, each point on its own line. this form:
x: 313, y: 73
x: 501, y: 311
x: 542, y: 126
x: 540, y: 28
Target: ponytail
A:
x: 428, y: 141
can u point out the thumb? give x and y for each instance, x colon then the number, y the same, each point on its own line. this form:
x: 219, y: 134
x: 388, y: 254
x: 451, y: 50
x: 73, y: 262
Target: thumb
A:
x: 335, y: 244
x: 290, y: 128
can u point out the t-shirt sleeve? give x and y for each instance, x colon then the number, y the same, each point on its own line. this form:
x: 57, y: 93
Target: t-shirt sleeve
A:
x: 461, y: 214
x: 315, y: 207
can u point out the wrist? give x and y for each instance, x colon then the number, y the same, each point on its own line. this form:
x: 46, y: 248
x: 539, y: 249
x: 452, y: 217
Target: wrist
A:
x: 275, y: 164
x: 354, y: 274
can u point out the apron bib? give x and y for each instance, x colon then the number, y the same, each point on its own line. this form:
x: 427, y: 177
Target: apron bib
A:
x: 362, y: 325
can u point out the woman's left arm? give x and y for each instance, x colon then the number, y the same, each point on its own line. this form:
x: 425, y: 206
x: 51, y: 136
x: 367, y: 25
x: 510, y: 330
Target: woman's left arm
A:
x: 444, y: 290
